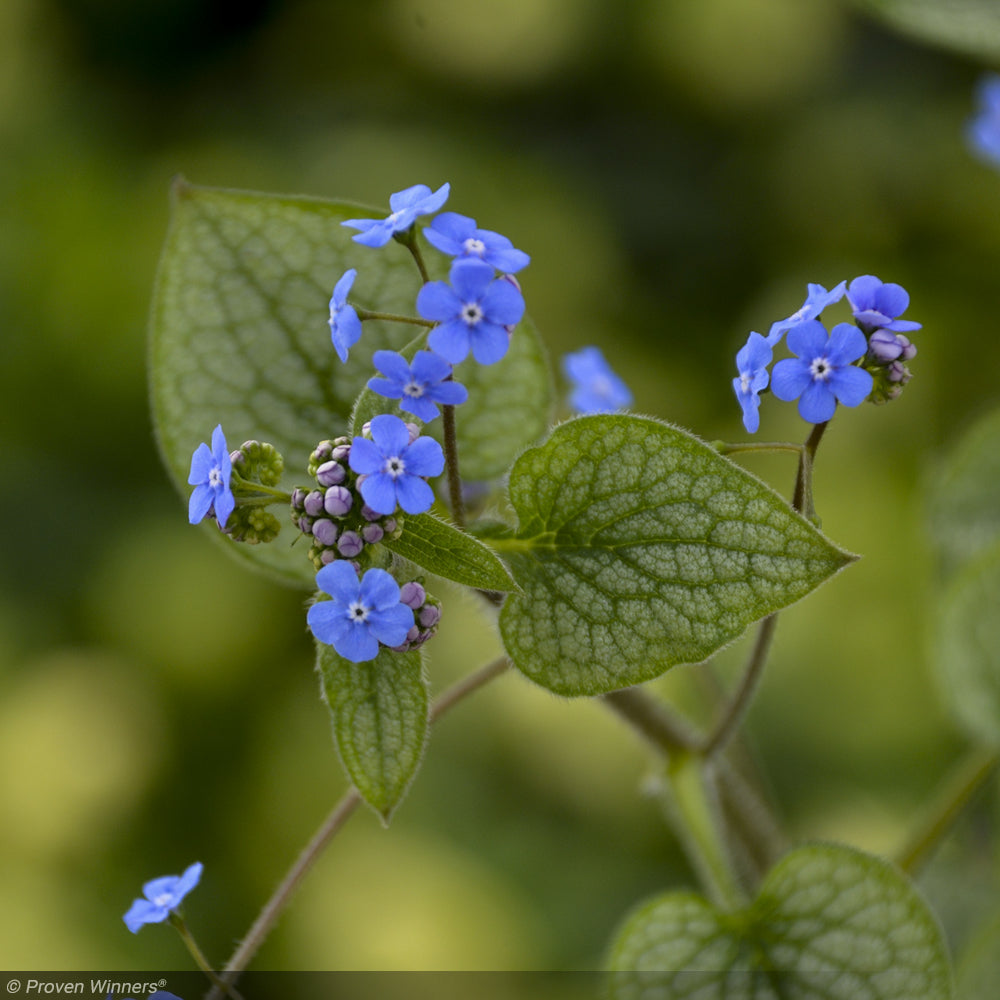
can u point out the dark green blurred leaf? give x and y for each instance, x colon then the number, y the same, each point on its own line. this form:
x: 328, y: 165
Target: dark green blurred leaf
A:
x: 967, y: 647
x: 640, y: 547
x: 978, y: 973
x: 445, y: 550
x: 969, y: 26
x: 830, y: 923
x: 963, y: 497
x: 379, y: 711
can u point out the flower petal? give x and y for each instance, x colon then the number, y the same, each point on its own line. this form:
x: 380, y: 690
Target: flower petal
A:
x: 141, y: 912
x: 200, y: 503
x: 438, y: 301
x: 424, y: 458
x: 503, y: 303
x: 817, y: 403
x: 790, y: 379
x: 357, y: 644
x: 851, y: 385
x: 379, y: 492
x: 390, y: 434
x: 365, y: 457
x: 847, y: 343
x: 470, y: 277
x: 429, y: 367
x: 390, y: 625
x: 414, y: 495
x: 892, y: 299
x: 808, y: 340
x: 379, y: 589
x: 328, y: 621
x: 392, y: 364
x: 339, y: 580
x: 450, y: 340
x: 489, y: 343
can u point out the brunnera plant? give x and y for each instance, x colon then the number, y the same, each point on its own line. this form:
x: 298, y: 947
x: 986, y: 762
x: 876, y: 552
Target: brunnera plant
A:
x: 401, y: 431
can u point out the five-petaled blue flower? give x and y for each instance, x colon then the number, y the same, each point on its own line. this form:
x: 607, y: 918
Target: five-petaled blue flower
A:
x: 363, y: 612
x: 211, y: 471
x: 457, y: 236
x: 393, y: 467
x: 474, y: 311
x: 752, y: 360
x: 345, y: 327
x: 596, y: 388
x: 817, y: 299
x: 983, y: 131
x: 876, y: 305
x: 419, y: 386
x: 162, y: 896
x: 822, y: 375
x: 406, y: 207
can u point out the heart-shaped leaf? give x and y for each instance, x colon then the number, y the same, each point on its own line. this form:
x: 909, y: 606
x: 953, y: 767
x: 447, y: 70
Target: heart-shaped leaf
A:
x: 379, y: 711
x: 830, y: 923
x: 239, y: 336
x: 640, y: 547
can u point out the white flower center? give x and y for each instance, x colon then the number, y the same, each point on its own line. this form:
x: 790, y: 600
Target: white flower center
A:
x: 744, y: 382
x: 472, y: 313
x: 820, y: 369
x: 474, y: 247
x: 358, y: 612
x: 413, y: 389
x: 164, y: 899
x: 395, y: 217
x: 215, y: 478
x: 394, y: 467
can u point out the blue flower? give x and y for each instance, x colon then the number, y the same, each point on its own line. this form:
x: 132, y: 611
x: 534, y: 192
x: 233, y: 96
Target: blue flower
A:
x: 822, y: 374
x: 211, y: 471
x: 876, y: 305
x: 345, y: 327
x: 817, y: 299
x: 983, y: 131
x: 474, y: 311
x: 457, y: 236
x: 406, y: 207
x: 162, y: 896
x: 363, y: 612
x: 752, y: 360
x: 419, y: 386
x: 393, y: 467
x: 596, y: 388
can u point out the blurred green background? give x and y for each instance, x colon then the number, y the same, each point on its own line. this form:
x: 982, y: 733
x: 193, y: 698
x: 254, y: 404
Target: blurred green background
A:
x: 679, y: 171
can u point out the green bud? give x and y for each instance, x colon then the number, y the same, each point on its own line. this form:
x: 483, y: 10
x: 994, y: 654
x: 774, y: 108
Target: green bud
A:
x: 252, y: 525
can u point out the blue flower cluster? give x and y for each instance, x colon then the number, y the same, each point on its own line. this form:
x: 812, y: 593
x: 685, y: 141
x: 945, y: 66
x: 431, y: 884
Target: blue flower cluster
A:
x: 851, y: 363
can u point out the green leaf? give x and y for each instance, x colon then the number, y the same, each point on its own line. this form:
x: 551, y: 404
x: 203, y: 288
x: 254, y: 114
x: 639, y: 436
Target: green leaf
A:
x: 830, y: 923
x: 509, y: 405
x: 379, y: 711
x: 239, y: 332
x: 967, y: 647
x: 448, y: 551
x: 640, y: 547
x: 968, y: 26
x: 963, y: 494
x: 979, y: 967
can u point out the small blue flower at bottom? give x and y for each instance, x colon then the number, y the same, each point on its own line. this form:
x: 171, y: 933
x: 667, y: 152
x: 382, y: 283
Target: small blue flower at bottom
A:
x: 345, y: 327
x: 211, y: 472
x: 162, y: 896
x: 362, y: 613
x: 822, y: 375
x: 752, y: 360
x: 596, y: 388
x: 406, y: 206
x: 419, y: 386
x: 394, y: 468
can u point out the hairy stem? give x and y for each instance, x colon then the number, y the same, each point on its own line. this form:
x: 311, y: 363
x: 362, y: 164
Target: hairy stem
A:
x: 956, y: 792
x: 338, y: 816
x: 647, y: 716
x: 365, y: 314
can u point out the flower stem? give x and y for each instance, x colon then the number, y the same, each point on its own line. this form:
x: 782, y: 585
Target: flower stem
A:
x: 648, y: 717
x: 409, y: 240
x: 730, y: 720
x: 180, y: 925
x: 337, y: 817
x: 957, y: 790
x: 271, y: 494
x: 451, y: 461
x: 364, y: 314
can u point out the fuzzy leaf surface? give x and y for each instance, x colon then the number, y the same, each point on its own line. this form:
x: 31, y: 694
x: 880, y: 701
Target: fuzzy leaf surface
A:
x: 379, y: 711
x: 971, y: 27
x: 830, y: 923
x: 640, y: 547
x: 447, y: 551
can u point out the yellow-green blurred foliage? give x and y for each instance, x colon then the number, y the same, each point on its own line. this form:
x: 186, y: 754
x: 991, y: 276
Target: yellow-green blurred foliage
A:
x: 678, y: 172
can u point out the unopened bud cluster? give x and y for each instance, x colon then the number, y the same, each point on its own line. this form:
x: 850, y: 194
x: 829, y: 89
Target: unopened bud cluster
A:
x: 258, y: 462
x: 887, y: 353
x: 426, y: 615
x: 255, y: 463
x: 333, y: 514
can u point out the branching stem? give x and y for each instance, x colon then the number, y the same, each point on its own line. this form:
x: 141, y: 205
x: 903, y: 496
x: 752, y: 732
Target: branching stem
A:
x: 337, y: 817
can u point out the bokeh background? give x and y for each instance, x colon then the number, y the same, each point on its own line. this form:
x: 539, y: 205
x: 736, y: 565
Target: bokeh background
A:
x: 679, y: 171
